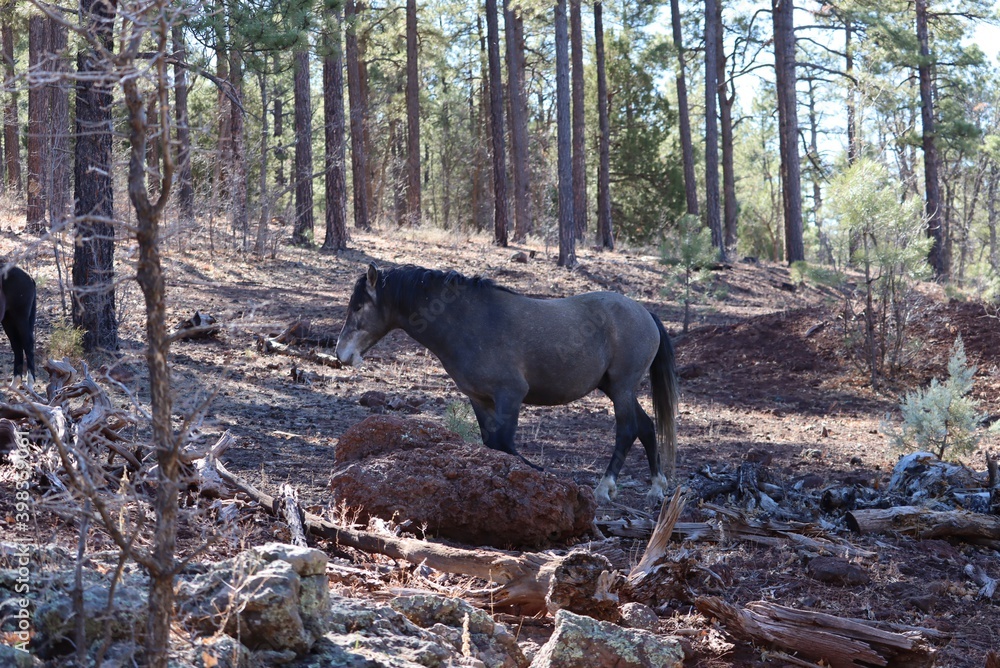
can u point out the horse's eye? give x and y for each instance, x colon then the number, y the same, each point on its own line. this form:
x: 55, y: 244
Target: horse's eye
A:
x: 356, y: 308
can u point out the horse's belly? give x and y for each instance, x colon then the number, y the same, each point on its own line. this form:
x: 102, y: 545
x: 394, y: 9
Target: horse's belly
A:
x: 551, y: 398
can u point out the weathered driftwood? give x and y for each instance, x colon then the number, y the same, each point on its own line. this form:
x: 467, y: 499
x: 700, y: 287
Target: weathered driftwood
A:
x: 656, y: 548
x: 293, y: 514
x: 266, y: 344
x: 924, y: 523
x: 835, y: 641
x: 198, y: 326
x: 731, y: 524
x: 987, y: 585
x: 524, y: 579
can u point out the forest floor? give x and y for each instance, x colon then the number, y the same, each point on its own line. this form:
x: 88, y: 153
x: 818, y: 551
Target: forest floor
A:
x: 760, y: 376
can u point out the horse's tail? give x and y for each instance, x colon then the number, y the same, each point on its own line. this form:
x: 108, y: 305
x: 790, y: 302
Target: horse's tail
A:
x: 663, y: 380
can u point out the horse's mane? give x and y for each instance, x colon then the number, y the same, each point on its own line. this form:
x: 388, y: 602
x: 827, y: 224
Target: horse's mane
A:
x: 408, y: 285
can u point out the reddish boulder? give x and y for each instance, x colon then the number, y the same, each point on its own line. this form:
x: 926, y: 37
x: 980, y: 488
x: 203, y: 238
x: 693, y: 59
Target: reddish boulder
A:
x: 379, y: 434
x: 411, y: 470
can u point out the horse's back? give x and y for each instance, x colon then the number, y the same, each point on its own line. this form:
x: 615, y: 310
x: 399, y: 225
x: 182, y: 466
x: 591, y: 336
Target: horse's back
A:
x: 566, y: 347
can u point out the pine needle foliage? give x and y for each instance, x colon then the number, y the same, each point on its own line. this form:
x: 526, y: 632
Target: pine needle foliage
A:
x: 943, y: 417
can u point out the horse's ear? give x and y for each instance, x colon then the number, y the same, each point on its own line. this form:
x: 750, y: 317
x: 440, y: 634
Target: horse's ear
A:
x: 372, y: 274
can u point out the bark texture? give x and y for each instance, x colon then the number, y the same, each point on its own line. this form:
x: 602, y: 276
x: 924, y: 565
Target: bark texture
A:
x: 497, y: 126
x: 788, y: 128
x: 413, y: 213
x: 605, y: 234
x: 567, y: 230
x: 579, y: 121
x: 94, y: 249
x: 359, y: 159
x: 932, y: 189
x: 334, y: 125
x: 304, y: 221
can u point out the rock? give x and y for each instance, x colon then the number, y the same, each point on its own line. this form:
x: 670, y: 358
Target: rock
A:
x: 273, y: 598
x: 305, y: 561
x: 381, y: 434
x: 834, y: 570
x: 520, y: 257
x: 269, y: 616
x: 411, y: 470
x: 639, y: 616
x: 363, y: 635
x: 15, y: 658
x: 55, y: 621
x: 452, y: 618
x: 372, y: 399
x: 582, y: 642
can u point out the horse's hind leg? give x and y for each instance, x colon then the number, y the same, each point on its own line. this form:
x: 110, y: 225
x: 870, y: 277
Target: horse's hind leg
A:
x: 16, y: 343
x: 626, y: 430
x: 647, y: 436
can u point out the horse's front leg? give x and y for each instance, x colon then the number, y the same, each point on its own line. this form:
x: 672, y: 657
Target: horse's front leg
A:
x: 498, y: 424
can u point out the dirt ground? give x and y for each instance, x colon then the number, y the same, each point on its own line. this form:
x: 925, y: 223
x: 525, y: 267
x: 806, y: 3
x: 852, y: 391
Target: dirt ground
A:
x: 764, y: 371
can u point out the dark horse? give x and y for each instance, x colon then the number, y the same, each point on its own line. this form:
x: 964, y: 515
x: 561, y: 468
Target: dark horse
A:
x: 17, y: 313
x: 504, y: 349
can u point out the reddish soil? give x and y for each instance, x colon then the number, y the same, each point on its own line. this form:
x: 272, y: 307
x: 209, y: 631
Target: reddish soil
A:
x: 764, y: 370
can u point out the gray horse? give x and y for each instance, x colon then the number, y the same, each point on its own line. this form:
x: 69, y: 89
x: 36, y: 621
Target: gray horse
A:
x: 504, y: 349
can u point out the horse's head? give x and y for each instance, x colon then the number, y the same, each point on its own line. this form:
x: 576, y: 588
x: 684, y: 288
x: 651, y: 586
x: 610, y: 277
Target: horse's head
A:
x: 366, y: 322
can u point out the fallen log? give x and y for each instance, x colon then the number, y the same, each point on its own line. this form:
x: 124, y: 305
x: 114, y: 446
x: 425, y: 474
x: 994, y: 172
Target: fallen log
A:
x: 924, y: 523
x: 266, y: 344
x: 734, y: 525
x: 835, y: 641
x: 524, y: 580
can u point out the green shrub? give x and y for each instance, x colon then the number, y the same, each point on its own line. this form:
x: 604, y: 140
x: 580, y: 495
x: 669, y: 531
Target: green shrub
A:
x: 691, y: 252
x: 943, y: 417
x: 65, y: 341
x: 460, y: 418
x: 886, y: 233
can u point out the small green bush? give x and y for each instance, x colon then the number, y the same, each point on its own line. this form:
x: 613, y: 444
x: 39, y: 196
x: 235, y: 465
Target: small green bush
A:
x: 460, y: 418
x: 65, y: 341
x: 943, y: 417
x: 691, y: 252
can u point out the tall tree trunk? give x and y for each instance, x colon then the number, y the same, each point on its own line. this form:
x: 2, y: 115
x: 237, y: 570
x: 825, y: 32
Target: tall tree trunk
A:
x: 727, y: 94
x: 497, y: 126
x: 185, y: 182
x: 94, y: 249
x: 260, y: 242
x: 38, y: 124
x: 359, y: 159
x: 11, y: 139
x: 712, y: 217
x: 374, y: 176
x: 149, y: 275
x: 221, y: 179
x: 279, y: 130
x: 567, y: 228
x: 237, y: 132
x: 579, y: 119
x: 932, y: 190
x: 302, y: 233
x: 333, y: 116
x: 605, y: 234
x: 60, y: 191
x: 152, y: 147
x: 413, y: 213
x: 684, y: 116
x: 991, y: 215
x: 788, y: 127
x: 398, y: 181
x: 825, y: 248
x: 853, y: 150
x: 514, y: 26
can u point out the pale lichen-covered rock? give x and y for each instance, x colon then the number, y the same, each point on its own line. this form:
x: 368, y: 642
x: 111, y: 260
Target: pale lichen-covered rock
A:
x: 54, y: 619
x: 15, y: 658
x: 465, y: 626
x: 639, y: 616
x: 271, y: 598
x: 583, y: 642
x: 467, y: 493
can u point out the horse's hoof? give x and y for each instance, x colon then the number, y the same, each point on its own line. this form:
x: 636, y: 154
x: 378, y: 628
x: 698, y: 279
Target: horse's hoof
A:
x: 605, y: 491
